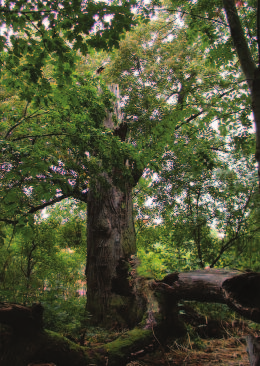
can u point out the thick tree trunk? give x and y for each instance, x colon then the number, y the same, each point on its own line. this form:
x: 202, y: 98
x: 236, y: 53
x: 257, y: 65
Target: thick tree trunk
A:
x: 110, y: 242
x: 111, y: 238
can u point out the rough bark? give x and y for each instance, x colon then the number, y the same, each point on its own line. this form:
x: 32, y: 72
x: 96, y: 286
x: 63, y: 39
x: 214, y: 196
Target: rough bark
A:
x: 238, y: 36
x: 111, y: 237
x: 253, y: 350
x: 111, y: 242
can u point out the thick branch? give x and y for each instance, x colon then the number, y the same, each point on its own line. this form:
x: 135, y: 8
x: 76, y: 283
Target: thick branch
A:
x: 242, y: 294
x: 77, y: 195
x: 121, y: 131
x: 49, y: 203
x: 195, y: 15
x: 22, y: 119
x: 19, y: 11
x: 9, y: 221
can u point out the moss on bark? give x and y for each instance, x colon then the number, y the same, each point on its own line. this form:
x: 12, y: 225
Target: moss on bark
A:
x: 45, y: 346
x: 119, y: 350
x: 48, y: 346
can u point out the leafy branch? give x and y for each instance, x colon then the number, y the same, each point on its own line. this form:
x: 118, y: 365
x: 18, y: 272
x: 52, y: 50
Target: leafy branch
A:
x: 22, y: 119
x: 40, y: 136
x: 237, y: 235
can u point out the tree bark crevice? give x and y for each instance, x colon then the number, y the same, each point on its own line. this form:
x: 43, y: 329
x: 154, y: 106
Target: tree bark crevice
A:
x: 111, y: 242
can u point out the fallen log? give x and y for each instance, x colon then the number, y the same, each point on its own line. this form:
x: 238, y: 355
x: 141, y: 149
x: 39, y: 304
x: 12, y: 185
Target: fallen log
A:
x: 36, y: 345
x: 22, y: 319
x: 28, y: 342
x: 48, y: 347
x: 240, y: 291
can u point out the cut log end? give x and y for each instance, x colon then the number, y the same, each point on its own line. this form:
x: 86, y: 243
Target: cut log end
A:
x: 253, y: 350
x: 24, y: 320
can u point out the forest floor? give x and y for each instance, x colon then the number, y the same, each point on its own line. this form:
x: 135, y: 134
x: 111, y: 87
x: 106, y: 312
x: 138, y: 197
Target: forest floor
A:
x: 214, y: 342
x: 221, y: 352
x: 227, y: 351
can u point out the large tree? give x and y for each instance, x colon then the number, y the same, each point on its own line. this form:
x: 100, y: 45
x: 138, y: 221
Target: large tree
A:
x: 61, y: 135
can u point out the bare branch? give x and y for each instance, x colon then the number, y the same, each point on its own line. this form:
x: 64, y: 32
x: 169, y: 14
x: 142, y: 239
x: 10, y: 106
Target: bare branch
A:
x: 49, y: 203
x: 197, y: 16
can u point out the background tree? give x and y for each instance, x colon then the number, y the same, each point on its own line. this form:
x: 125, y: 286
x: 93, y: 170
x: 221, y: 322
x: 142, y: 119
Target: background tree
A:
x: 230, y: 31
x: 79, y: 146
x: 208, y: 221
x: 45, y: 263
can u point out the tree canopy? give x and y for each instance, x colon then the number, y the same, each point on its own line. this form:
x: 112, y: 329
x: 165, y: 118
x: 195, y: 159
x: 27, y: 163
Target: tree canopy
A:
x: 158, y: 147
x: 166, y: 98
x: 169, y: 119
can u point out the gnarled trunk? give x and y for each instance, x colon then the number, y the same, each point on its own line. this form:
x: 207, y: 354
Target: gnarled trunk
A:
x: 111, y: 242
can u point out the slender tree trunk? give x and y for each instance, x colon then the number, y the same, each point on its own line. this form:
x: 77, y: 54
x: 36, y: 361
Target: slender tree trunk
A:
x: 111, y: 242
x: 255, y: 94
x: 247, y: 63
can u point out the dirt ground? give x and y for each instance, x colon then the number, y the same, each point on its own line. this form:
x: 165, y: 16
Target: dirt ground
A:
x: 221, y: 352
